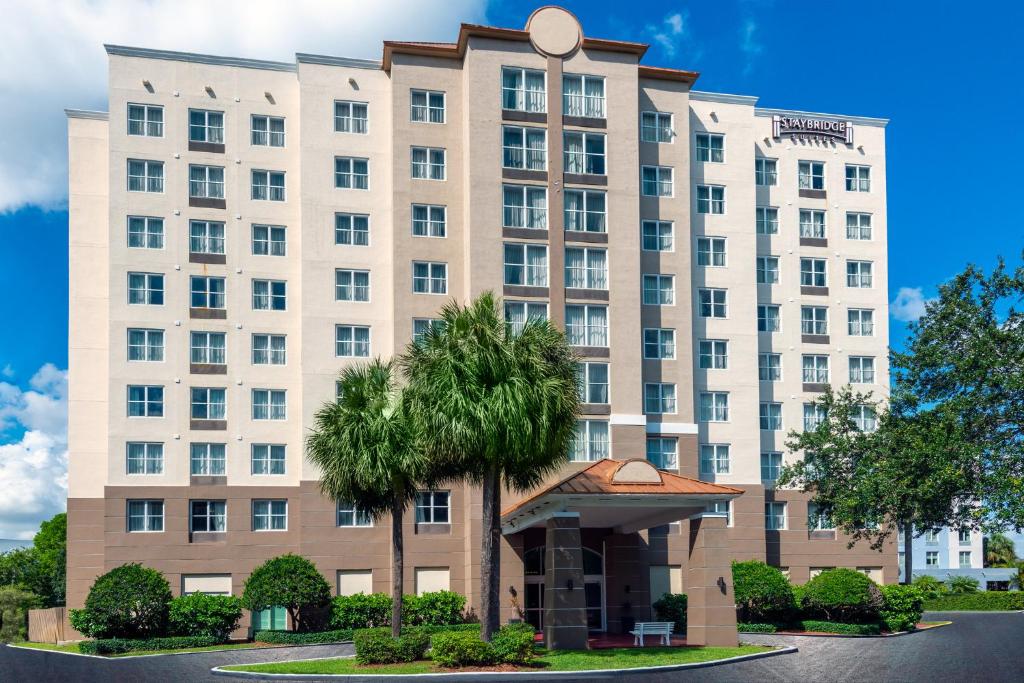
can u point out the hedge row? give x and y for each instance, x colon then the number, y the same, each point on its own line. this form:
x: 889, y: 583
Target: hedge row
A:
x: 346, y: 634
x: 836, y: 627
x: 989, y: 601
x: 116, y: 646
x: 756, y: 628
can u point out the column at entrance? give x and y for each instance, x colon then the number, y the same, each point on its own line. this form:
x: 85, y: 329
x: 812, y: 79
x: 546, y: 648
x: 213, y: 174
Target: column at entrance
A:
x: 711, y: 605
x: 565, y: 600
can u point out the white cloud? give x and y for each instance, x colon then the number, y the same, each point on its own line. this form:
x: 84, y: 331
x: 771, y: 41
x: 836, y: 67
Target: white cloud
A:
x: 53, y: 58
x: 749, y: 45
x: 909, y: 304
x: 672, y: 32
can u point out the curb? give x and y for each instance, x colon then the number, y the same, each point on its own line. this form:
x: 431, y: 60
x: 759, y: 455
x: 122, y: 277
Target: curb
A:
x: 128, y: 655
x: 846, y: 635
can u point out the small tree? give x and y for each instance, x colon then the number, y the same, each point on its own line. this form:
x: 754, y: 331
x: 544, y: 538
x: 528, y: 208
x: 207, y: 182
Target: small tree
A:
x: 763, y: 594
x: 129, y: 601
x: 999, y: 551
x: 14, y: 606
x: 199, y: 614
x: 288, y: 581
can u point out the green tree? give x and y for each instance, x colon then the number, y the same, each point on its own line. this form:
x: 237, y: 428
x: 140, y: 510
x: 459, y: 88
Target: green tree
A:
x: 289, y: 581
x: 496, y: 407
x: 129, y: 601
x: 50, y: 545
x: 999, y: 551
x: 18, y: 567
x: 367, y: 452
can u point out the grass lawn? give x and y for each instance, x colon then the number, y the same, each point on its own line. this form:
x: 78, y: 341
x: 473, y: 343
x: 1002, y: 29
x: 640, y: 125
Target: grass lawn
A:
x: 73, y: 647
x: 562, y: 660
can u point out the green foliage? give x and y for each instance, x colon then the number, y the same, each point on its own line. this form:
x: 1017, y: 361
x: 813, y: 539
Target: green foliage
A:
x: 842, y: 595
x: 305, y: 638
x: 987, y: 601
x: 513, y: 644
x: 929, y: 586
x: 40, y: 569
x: 454, y: 649
x: 129, y: 601
x: 672, y: 607
x: 763, y: 593
x: 14, y: 606
x: 378, y: 646
x: 199, y: 614
x: 756, y: 628
x: 903, y: 607
x: 291, y: 581
x: 437, y: 608
x: 361, y: 610
x: 963, y: 584
x: 117, y: 646
x: 839, y: 627
x: 999, y: 551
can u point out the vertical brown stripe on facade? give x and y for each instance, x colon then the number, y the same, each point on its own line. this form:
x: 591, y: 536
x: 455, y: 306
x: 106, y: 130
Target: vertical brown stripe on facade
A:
x: 556, y: 201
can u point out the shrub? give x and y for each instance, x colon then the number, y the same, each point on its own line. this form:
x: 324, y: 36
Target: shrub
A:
x: 513, y: 644
x: 903, y: 607
x: 116, y: 646
x: 929, y: 586
x: 756, y: 628
x: 376, y: 646
x: 438, y: 608
x: 14, y: 606
x: 842, y: 595
x: 988, y: 601
x: 762, y: 592
x: 360, y: 611
x: 129, y: 601
x: 343, y: 635
x: 838, y: 627
x: 454, y: 648
x: 200, y: 614
x: 672, y: 607
x: 412, y: 645
x: 292, y: 582
x: 963, y: 584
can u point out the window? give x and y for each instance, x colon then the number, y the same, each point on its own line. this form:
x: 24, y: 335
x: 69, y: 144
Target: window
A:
x: 146, y: 120
x: 812, y: 224
x: 659, y: 398
x: 767, y: 220
x: 145, y: 232
x: 207, y: 459
x: 819, y: 518
x: 586, y: 325
x: 269, y: 240
x: 145, y: 458
x: 713, y: 354
x: 655, y: 126
x: 518, y: 312
x: 963, y: 536
x: 858, y: 274
x: 145, y: 401
x: 350, y: 117
x: 526, y: 264
x: 269, y: 295
x: 523, y: 90
x: 352, y: 285
x: 351, y: 341
x: 525, y: 206
x: 811, y: 175
x: 656, y: 181
x: 965, y: 559
x: 585, y: 211
x: 432, y: 507
x: 145, y: 515
x: 814, y: 416
x: 710, y: 251
x: 858, y: 226
x: 714, y: 406
x: 712, y: 303
x: 710, y: 199
x: 352, y: 229
x: 584, y: 153
x: 769, y: 367
x: 710, y: 147
x: 864, y: 418
x: 931, y: 536
x: 205, y: 126
x: 524, y: 148
x: 268, y: 458
x: 774, y: 516
x: 766, y: 172
x: 209, y: 515
x: 205, y: 237
x: 583, y: 96
x: 351, y: 173
x: 861, y: 322
x: 267, y: 131
x: 815, y: 369
x: 858, y: 178
x: 770, y: 416
x: 714, y: 458
x: 663, y: 452
x: 207, y: 348
x: 269, y: 349
x: 269, y: 404
x: 208, y: 404
x: 862, y: 370
x: 429, y: 277
x: 351, y: 516
x: 145, y: 345
x: 268, y: 185
x: 771, y: 465
x: 593, y: 382
x: 145, y: 176
x: 812, y: 272
x: 428, y: 163
x: 768, y: 319
x: 420, y: 327
x: 657, y: 235
x: 590, y: 442
x: 206, y: 182
x: 659, y: 290
x: 931, y: 558
x: 813, y: 320
x: 586, y: 268
x: 767, y: 270
x: 427, y: 106
x: 660, y: 344
x: 269, y: 515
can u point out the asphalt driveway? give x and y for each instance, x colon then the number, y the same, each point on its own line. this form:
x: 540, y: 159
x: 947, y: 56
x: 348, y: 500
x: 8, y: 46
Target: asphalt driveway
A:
x: 976, y: 647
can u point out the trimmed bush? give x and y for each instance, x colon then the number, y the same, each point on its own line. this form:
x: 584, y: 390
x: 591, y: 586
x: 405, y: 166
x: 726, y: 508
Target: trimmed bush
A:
x: 14, y: 606
x: 842, y: 595
x: 199, y: 614
x: 129, y: 602
x: 672, y: 607
x: 963, y: 584
x: 929, y: 586
x: 343, y: 635
x: 454, y: 648
x: 361, y: 611
x: 513, y: 644
x: 756, y: 628
x: 437, y: 608
x: 903, y: 607
x: 763, y: 593
x: 987, y: 601
x: 376, y: 646
x: 117, y: 646
x: 291, y: 581
x: 839, y: 627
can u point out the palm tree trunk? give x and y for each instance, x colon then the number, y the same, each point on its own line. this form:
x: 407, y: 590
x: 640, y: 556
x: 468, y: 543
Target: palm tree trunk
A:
x: 397, y: 565
x: 490, y: 555
x: 908, y: 553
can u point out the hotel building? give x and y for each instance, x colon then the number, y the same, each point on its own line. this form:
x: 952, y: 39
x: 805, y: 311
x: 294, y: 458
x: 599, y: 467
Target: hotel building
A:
x: 241, y: 230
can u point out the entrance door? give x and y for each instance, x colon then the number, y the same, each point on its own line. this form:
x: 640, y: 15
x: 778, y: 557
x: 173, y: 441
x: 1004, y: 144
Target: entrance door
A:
x: 593, y: 587
x: 534, y: 607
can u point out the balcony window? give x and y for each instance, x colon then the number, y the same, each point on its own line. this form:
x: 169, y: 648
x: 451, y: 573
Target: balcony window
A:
x: 524, y: 148
x: 583, y: 96
x: 584, y: 153
x: 523, y: 90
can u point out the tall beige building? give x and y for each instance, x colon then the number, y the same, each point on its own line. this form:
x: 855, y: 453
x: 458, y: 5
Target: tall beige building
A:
x: 242, y: 229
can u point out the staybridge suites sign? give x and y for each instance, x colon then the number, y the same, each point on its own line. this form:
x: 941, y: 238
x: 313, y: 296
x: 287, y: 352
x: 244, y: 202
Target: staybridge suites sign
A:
x: 812, y: 129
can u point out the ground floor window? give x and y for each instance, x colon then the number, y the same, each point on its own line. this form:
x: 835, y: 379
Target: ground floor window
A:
x: 270, y: 619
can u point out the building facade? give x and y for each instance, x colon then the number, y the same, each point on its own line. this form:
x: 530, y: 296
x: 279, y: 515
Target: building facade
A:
x: 947, y: 552
x: 241, y: 230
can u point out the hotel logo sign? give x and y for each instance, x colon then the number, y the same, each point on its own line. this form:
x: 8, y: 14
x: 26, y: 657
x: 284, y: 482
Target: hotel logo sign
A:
x: 799, y: 127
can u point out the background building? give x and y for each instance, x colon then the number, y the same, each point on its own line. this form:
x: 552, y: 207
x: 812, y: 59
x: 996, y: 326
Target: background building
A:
x: 947, y: 552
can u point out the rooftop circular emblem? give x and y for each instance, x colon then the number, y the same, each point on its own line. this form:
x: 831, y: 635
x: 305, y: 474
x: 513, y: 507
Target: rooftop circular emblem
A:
x: 554, y: 31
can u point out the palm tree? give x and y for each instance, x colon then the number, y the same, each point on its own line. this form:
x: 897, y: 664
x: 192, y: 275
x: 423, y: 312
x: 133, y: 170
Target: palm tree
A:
x: 495, y: 407
x: 365, y: 447
x: 999, y: 551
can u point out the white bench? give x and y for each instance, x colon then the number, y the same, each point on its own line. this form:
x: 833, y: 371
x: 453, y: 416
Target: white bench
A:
x: 652, y: 628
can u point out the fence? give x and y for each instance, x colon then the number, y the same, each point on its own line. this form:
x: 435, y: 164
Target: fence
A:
x: 50, y: 626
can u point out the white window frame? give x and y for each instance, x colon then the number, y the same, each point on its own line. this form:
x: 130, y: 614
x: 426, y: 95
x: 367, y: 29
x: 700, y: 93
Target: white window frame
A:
x: 813, y: 414
x: 769, y: 367
x: 206, y: 237
x: 351, y: 347
x: 530, y: 310
x: 594, y: 334
x: 152, y: 406
x: 529, y: 215
x: 653, y: 238
x: 519, y: 154
x: 860, y: 322
x: 269, y: 240
x: 525, y: 99
x: 151, y: 236
x: 434, y: 282
x: 594, y: 379
x: 767, y: 270
x: 420, y: 326
x: 862, y: 369
x: 709, y: 296
x: 428, y: 168
x: 859, y: 224
x: 665, y: 450
x: 768, y: 465
x: 519, y: 271
x: 211, y: 132
x: 267, y: 350
x: 275, y: 298
x: 765, y: 321
x: 591, y: 441
x: 813, y: 224
x: 266, y: 136
x: 655, y: 291
x: 660, y: 340
x: 715, y: 459
x: 657, y: 186
x: 348, y: 121
x: 587, y: 162
x: 427, y: 110
x: 352, y: 291
x: 713, y: 406
x: 207, y: 405
x: 712, y: 252
x: 811, y: 175
x: 710, y: 200
x: 269, y: 509
x: 766, y: 172
x: 713, y: 354
x: 813, y: 272
x: 147, y: 126
x: 152, y: 515
x: 815, y: 368
x: 590, y: 106
x: 860, y: 180
x: 656, y: 127
x: 216, y: 511
x: 665, y: 398
x: 360, y: 520
x: 704, y: 149
x: 147, y: 462
x: 357, y: 231
x: 770, y: 413
x: 586, y: 219
x: 269, y: 405
x: 148, y: 178
x: 348, y: 177
x: 428, y: 501
x: 209, y: 186
x: 202, y: 350
x: 207, y: 459
x: 268, y: 185
x: 814, y: 320
x: 767, y: 220
x: 776, y: 516
x: 860, y: 274
x: 268, y: 459
x: 151, y: 345
x: 588, y: 276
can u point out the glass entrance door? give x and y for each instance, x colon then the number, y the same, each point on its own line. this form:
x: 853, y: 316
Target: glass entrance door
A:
x: 593, y: 588
x: 535, y: 602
